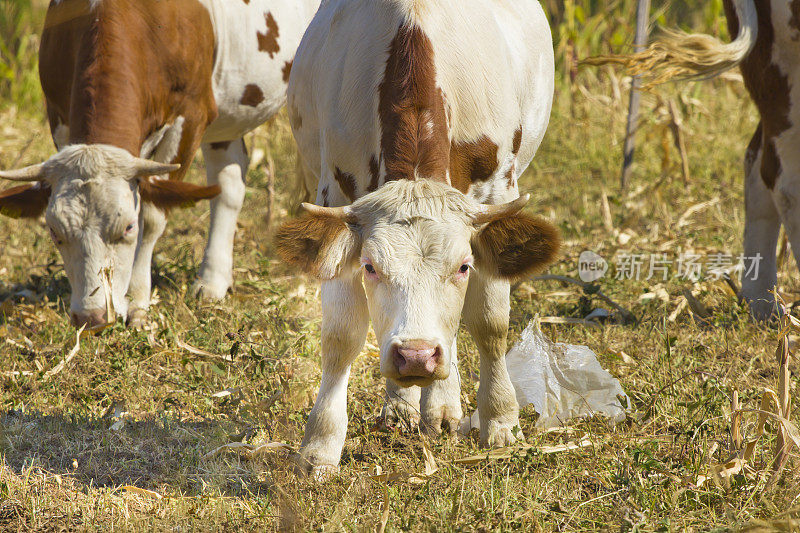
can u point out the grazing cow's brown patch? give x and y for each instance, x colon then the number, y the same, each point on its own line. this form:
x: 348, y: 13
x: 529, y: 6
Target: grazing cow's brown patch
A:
x: 221, y: 145
x: 24, y: 201
x: 286, y: 71
x: 471, y: 162
x: 166, y: 194
x: 374, y: 174
x: 347, y: 183
x: 107, y: 80
x: 515, y: 246
x: 516, y: 141
x: 247, y: 2
x: 768, y: 87
x: 268, y: 42
x: 325, y: 202
x: 252, y: 95
x: 414, y: 140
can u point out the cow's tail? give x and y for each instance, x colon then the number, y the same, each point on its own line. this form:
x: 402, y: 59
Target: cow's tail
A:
x: 679, y: 55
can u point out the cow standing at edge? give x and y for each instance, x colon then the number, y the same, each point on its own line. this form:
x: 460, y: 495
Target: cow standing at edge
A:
x: 416, y: 111
x: 767, y: 49
x: 133, y: 86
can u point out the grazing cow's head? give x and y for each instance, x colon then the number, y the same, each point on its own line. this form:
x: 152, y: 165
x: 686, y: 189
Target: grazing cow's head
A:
x: 92, y: 196
x: 416, y: 243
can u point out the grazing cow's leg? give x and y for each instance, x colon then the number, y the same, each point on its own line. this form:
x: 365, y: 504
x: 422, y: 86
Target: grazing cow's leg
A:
x: 401, y: 407
x: 441, y: 401
x: 761, y: 227
x: 345, y: 319
x: 486, y: 310
x: 226, y: 165
x: 152, y: 222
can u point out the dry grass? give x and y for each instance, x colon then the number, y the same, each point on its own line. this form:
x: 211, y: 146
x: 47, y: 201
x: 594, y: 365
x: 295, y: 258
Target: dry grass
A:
x: 143, y: 409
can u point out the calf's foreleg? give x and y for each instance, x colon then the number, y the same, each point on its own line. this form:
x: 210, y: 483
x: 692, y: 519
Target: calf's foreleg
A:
x: 345, y: 319
x: 486, y: 310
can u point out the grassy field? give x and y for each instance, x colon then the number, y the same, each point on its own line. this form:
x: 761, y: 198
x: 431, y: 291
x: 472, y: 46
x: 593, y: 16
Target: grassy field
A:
x: 121, y: 436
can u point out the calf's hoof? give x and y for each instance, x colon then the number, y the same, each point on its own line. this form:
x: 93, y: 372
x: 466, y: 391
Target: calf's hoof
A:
x: 445, y: 418
x: 500, y: 434
x: 398, y: 414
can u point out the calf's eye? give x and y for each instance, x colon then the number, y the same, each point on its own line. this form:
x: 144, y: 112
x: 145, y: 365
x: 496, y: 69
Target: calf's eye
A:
x: 369, y: 268
x: 464, y: 268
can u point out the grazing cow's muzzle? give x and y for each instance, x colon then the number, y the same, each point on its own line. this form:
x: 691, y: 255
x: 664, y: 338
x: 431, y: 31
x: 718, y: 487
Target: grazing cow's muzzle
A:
x: 416, y: 358
x: 90, y: 319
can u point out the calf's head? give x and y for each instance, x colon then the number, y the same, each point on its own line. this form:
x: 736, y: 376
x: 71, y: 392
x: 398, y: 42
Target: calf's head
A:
x: 91, y: 196
x: 416, y: 244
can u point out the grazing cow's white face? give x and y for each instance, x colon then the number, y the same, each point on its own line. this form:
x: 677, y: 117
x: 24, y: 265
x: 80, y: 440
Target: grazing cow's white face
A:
x: 93, y: 218
x: 416, y: 243
x: 92, y: 198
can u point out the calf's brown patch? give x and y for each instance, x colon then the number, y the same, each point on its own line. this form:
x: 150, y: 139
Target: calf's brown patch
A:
x: 374, y: 174
x: 414, y: 139
x: 516, y: 142
x: 347, y: 183
x: 471, y: 162
x: 252, y: 95
x: 515, y: 246
x: 268, y: 41
x: 325, y: 197
x: 310, y: 241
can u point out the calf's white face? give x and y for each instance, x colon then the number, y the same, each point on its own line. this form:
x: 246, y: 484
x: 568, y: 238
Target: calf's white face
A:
x: 416, y: 244
x: 92, y: 198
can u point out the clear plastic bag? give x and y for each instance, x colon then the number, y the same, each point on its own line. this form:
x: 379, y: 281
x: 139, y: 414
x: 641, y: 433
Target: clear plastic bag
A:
x: 562, y: 381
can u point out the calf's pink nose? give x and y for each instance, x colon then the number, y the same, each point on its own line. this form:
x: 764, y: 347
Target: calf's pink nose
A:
x: 90, y: 318
x: 416, y: 359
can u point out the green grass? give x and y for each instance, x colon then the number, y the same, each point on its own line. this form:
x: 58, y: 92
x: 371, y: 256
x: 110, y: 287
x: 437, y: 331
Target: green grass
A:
x: 66, y: 455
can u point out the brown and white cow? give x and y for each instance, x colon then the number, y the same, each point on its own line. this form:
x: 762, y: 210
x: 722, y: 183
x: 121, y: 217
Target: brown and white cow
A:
x: 133, y: 88
x: 420, y: 114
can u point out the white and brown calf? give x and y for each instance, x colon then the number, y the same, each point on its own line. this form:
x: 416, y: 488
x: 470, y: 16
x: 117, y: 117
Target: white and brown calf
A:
x: 418, y: 113
x: 127, y: 81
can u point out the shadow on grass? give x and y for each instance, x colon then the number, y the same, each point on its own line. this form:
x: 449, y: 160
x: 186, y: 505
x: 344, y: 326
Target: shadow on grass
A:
x: 151, y: 452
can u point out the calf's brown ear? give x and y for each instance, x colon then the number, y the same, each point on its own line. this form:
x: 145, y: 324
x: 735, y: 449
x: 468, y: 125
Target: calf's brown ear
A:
x: 166, y: 194
x: 318, y: 244
x: 25, y: 201
x: 515, y: 246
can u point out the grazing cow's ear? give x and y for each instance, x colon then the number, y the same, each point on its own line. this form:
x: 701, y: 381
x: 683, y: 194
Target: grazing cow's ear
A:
x: 25, y: 201
x: 166, y: 194
x: 514, y: 246
x: 319, y: 244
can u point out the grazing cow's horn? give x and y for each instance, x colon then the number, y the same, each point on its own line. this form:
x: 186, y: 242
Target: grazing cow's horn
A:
x: 336, y: 212
x: 488, y: 213
x: 146, y: 167
x: 31, y: 173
